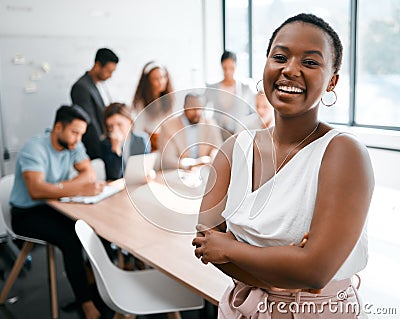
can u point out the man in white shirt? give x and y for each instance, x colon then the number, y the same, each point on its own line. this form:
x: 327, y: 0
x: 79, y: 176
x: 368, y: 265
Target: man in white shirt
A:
x: 188, y: 139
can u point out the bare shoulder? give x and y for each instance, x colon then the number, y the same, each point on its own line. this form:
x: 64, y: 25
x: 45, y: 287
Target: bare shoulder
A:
x: 347, y: 145
x: 347, y: 158
x: 226, y: 150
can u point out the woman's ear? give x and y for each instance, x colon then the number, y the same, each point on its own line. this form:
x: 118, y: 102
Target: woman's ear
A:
x: 332, y: 83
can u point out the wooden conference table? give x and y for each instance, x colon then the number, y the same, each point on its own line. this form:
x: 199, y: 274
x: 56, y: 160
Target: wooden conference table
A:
x: 148, y: 237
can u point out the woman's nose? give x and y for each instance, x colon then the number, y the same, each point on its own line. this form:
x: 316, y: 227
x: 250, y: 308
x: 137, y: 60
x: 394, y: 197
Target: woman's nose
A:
x: 292, y: 68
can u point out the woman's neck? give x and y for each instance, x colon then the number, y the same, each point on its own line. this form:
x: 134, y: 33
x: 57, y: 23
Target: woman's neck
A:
x: 291, y: 130
x: 229, y: 82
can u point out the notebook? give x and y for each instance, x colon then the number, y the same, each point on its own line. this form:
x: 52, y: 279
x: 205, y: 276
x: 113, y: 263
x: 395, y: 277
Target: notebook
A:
x: 107, y: 192
x: 138, y: 167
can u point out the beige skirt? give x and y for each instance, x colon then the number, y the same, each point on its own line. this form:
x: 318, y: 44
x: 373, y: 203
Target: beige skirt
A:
x: 339, y: 299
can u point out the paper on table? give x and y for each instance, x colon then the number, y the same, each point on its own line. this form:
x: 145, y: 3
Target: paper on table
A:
x: 107, y: 192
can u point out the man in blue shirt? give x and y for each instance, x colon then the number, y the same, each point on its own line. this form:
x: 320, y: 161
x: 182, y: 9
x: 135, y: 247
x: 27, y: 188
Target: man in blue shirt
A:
x: 42, y: 171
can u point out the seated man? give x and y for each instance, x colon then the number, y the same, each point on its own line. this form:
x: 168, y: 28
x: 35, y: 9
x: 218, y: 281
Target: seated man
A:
x: 188, y: 139
x: 118, y: 123
x: 42, y: 171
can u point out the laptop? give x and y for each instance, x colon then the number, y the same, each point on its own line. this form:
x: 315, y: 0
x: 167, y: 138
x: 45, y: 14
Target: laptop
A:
x: 139, y: 167
x: 108, y: 191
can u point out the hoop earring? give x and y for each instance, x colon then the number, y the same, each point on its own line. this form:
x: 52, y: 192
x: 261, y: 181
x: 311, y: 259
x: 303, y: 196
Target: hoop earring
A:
x: 260, y: 86
x: 329, y: 98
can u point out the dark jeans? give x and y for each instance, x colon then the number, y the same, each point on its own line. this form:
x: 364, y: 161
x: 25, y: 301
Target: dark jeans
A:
x: 45, y: 223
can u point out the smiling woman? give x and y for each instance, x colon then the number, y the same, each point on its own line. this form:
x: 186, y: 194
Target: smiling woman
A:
x: 286, y: 217
x: 314, y: 59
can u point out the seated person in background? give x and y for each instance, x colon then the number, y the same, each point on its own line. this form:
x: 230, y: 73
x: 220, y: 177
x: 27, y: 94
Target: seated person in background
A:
x: 188, y: 139
x: 42, y: 171
x: 118, y: 123
x: 264, y: 117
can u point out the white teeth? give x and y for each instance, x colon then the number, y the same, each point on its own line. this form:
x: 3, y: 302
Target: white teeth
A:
x: 290, y: 89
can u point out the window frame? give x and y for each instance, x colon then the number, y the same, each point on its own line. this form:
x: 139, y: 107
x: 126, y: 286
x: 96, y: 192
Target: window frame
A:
x: 354, y: 8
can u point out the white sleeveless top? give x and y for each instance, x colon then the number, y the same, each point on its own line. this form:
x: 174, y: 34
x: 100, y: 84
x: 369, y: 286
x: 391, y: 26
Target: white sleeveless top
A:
x: 280, y: 211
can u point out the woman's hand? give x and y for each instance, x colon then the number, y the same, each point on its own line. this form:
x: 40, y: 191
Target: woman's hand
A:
x: 117, y: 141
x: 211, y: 245
x: 303, y: 241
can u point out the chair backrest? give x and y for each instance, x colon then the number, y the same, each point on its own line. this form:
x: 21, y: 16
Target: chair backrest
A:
x: 101, y: 264
x: 6, y: 184
x: 133, y: 292
x: 100, y: 168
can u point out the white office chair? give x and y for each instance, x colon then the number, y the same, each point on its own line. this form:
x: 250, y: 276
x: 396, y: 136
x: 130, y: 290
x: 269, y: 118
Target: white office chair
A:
x: 100, y: 168
x: 6, y: 184
x: 133, y: 292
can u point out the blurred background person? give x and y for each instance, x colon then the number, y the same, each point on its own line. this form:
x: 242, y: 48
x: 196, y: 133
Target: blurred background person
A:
x: 189, y: 139
x: 118, y: 123
x: 263, y: 118
x: 43, y: 171
x: 90, y: 93
x: 230, y: 98
x: 154, y: 83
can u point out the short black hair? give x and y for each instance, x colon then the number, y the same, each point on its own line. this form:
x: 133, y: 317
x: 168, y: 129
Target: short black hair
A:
x: 68, y: 113
x: 191, y: 96
x: 228, y: 55
x: 324, y: 26
x: 104, y: 55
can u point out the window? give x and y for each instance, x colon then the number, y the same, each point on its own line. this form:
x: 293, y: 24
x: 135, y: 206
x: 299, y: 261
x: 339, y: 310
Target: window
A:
x: 237, y: 37
x: 376, y: 65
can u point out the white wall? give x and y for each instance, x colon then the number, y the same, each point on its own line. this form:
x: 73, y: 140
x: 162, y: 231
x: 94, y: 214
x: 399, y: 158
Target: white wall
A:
x: 385, y: 162
x: 170, y: 31
x: 186, y: 36
x: 213, y: 40
x: 386, y: 168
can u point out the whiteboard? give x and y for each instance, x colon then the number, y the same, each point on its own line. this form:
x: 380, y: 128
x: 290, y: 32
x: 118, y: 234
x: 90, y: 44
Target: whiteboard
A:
x: 26, y: 114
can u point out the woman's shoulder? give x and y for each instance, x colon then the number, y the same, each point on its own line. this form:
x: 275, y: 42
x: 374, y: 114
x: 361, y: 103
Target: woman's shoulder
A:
x: 345, y: 154
x: 228, y: 146
x: 215, y: 85
x: 345, y: 141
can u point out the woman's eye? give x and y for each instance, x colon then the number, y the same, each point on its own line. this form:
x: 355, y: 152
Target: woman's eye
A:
x: 310, y: 62
x: 279, y: 58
